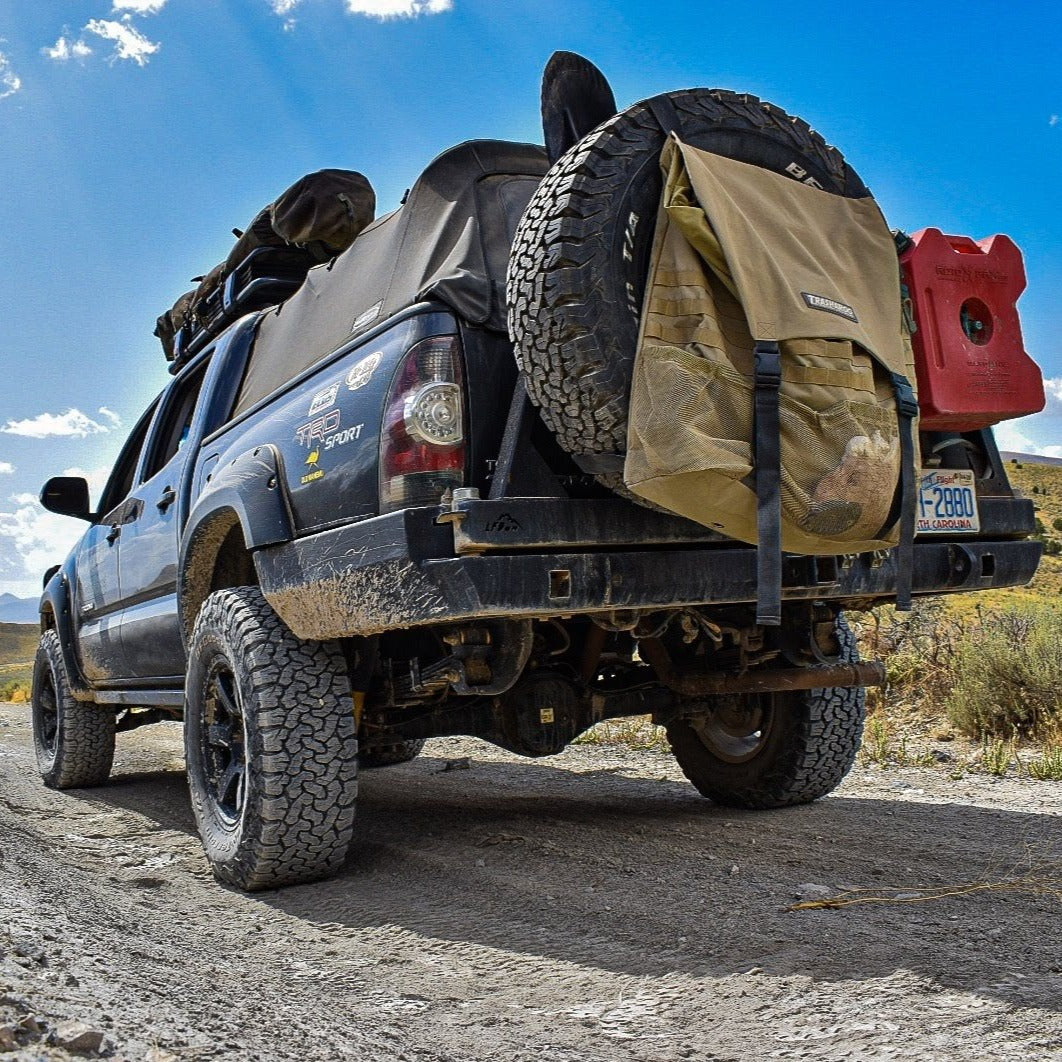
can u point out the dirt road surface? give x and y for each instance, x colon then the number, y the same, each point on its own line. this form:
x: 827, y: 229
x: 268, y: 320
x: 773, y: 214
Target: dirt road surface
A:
x: 587, y: 907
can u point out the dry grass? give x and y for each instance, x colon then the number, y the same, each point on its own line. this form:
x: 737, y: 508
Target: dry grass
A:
x: 636, y: 732
x: 16, y: 691
x: 1037, y: 873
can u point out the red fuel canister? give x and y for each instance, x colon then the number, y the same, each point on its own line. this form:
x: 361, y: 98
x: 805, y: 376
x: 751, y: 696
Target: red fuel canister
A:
x: 969, y: 355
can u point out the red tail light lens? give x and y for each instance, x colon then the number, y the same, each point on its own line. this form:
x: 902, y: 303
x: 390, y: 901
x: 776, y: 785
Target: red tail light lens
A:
x: 422, y: 445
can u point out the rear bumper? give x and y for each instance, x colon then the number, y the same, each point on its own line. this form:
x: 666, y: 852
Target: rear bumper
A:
x: 405, y: 569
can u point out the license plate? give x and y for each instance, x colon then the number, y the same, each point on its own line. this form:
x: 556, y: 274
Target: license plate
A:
x: 947, y: 502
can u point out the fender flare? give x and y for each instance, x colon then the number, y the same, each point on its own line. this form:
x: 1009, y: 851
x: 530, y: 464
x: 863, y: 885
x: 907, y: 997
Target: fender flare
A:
x: 56, y: 601
x: 249, y: 491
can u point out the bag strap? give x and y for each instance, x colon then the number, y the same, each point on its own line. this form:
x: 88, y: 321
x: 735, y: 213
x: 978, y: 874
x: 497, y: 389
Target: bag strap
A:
x: 663, y: 109
x: 907, y: 411
x: 768, y: 456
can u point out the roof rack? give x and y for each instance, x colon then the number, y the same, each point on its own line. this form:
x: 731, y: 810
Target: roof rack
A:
x: 266, y: 277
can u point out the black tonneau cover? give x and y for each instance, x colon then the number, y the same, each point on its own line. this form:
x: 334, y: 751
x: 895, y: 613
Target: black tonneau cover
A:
x: 450, y: 241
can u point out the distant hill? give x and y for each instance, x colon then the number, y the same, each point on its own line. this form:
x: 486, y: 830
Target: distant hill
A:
x: 17, y: 609
x: 1030, y: 459
x: 1040, y: 480
x: 18, y: 646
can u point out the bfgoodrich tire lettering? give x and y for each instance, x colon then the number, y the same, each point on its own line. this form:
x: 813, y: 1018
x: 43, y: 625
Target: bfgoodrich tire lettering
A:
x: 795, y: 746
x: 270, y: 745
x: 73, y: 740
x: 578, y: 268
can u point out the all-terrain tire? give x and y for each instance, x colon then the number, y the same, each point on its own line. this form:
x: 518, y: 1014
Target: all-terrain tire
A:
x: 390, y: 755
x: 808, y: 742
x: 73, y: 740
x: 579, y: 262
x: 270, y: 745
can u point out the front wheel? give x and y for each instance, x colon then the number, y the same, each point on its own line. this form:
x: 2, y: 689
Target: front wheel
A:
x: 73, y: 740
x: 771, y: 750
x: 270, y: 745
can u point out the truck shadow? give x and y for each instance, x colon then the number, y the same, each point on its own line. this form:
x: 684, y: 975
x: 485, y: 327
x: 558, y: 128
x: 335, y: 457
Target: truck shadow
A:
x: 643, y: 877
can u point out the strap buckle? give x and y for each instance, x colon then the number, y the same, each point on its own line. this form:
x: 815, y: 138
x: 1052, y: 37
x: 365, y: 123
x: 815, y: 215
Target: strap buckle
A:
x: 906, y: 402
x: 768, y: 365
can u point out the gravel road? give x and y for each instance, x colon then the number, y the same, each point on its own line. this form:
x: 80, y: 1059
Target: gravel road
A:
x: 586, y: 907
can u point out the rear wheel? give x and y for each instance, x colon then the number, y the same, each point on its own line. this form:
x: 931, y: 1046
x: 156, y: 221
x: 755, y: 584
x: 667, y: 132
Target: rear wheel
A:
x: 771, y: 750
x: 270, y: 745
x: 73, y: 740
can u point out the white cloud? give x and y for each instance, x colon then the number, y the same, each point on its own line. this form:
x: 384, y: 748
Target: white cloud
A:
x: 384, y: 9
x: 1039, y: 434
x: 1054, y: 120
x: 10, y: 82
x: 116, y: 421
x: 381, y: 9
x: 1053, y: 390
x: 96, y: 477
x: 1012, y: 439
x: 6, y: 468
x: 284, y: 9
x: 64, y: 50
x: 139, y: 7
x: 31, y: 541
x: 73, y: 424
x: 129, y: 42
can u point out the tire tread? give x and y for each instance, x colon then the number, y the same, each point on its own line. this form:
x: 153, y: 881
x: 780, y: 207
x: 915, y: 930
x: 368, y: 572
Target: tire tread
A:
x: 302, y: 751
x: 84, y: 751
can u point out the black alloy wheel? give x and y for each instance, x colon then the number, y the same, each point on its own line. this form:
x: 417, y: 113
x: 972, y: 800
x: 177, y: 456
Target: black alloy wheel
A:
x: 225, y: 743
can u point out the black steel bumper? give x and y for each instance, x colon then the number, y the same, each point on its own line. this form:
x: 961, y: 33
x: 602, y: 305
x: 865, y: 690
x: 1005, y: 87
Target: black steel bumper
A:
x: 550, y: 557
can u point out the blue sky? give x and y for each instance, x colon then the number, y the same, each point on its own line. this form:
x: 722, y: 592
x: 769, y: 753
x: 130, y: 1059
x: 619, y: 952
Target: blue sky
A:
x: 134, y: 134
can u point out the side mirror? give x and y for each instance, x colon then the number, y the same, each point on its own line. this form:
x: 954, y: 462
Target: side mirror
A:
x: 67, y: 496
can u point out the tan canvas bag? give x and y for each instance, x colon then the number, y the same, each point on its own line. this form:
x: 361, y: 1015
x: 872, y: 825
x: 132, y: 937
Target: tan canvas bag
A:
x: 749, y: 266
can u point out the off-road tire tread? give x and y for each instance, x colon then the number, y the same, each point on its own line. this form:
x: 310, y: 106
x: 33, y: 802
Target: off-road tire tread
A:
x: 563, y: 305
x: 84, y: 751
x: 820, y: 748
x: 302, y: 762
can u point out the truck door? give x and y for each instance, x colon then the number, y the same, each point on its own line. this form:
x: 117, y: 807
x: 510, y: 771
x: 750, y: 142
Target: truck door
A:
x: 150, y: 621
x: 97, y: 595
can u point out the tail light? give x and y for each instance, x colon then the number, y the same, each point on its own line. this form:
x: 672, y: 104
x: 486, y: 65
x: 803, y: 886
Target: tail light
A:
x: 422, y: 445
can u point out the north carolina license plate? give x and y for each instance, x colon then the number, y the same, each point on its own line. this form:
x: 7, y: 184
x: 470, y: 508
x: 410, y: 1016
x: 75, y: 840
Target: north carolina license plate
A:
x: 947, y: 502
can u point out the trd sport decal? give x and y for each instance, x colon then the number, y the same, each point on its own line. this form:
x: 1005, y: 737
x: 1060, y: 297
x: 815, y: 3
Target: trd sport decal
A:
x: 316, y: 430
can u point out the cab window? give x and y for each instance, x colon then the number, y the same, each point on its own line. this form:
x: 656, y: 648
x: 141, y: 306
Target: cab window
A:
x: 176, y: 423
x: 120, y: 482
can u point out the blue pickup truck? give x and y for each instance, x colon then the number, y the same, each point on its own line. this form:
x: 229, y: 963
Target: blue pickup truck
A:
x: 344, y: 527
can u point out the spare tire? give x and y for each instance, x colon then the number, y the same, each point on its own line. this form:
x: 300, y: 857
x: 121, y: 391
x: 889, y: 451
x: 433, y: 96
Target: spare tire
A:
x: 581, y: 254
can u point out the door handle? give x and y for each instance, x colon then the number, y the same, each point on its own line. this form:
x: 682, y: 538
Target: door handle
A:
x: 169, y: 496
x: 115, y: 531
